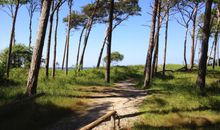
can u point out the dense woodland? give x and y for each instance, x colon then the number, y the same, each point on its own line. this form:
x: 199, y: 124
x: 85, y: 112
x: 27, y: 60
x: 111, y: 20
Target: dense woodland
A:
x: 187, y: 96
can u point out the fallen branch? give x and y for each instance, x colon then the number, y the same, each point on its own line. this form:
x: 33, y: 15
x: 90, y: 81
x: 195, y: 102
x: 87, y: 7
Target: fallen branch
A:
x: 97, y: 122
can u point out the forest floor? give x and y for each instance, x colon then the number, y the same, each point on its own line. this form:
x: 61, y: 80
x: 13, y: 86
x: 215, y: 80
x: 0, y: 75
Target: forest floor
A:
x: 123, y: 97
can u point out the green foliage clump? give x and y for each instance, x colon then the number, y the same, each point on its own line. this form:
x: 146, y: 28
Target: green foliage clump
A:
x: 115, y: 57
x: 77, y: 20
x: 20, y: 56
x: 2, y: 72
x: 122, y: 9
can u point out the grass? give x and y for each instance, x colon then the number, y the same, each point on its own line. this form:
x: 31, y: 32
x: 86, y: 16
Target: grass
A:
x: 174, y: 102
x: 55, y: 105
x: 59, y: 100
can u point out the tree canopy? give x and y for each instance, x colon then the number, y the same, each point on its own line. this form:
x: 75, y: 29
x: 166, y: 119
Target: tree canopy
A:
x: 115, y: 57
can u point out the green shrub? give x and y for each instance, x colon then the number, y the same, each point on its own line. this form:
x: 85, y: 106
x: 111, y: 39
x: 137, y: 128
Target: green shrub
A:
x: 20, y: 56
x: 2, y: 72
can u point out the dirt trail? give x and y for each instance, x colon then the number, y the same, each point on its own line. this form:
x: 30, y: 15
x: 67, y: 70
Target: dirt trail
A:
x: 123, y: 98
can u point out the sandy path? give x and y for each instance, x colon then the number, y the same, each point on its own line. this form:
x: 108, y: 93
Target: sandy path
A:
x: 126, y: 104
x: 123, y: 98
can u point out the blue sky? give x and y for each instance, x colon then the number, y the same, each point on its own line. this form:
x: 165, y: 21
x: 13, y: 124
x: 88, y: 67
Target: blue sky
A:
x: 131, y: 38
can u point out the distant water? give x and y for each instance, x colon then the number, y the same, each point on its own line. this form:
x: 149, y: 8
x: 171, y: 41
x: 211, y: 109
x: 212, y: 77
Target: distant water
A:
x: 70, y: 68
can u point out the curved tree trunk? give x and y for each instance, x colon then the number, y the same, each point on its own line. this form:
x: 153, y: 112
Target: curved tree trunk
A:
x: 166, y: 36
x: 79, y: 46
x: 204, y: 49
x: 55, y: 44
x: 193, y: 37
x: 38, y: 48
x: 105, y: 38
x: 147, y: 79
x: 89, y: 27
x: 102, y: 49
x: 88, y: 30
x: 12, y: 37
x: 49, y: 43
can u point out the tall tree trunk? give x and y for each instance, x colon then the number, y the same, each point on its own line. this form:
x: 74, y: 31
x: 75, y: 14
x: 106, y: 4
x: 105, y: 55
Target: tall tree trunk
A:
x: 68, y: 35
x: 30, y: 29
x: 204, y: 49
x: 166, y: 36
x: 38, y: 48
x: 89, y: 27
x: 14, y: 40
x: 184, y: 52
x: 105, y: 38
x: 193, y: 36
x: 210, y: 54
x: 218, y: 61
x: 216, y: 38
x: 88, y: 30
x: 108, y: 62
x: 147, y: 79
x: 64, y: 53
x: 79, y: 46
x: 102, y: 49
x: 67, y: 56
x: 49, y: 42
x: 155, y: 57
x: 12, y: 37
x: 55, y: 44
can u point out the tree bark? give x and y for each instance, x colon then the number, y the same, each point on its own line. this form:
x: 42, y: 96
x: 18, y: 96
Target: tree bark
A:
x: 12, y: 37
x: 218, y: 61
x: 64, y: 53
x: 155, y: 57
x: 31, y: 7
x: 105, y: 38
x: 49, y: 42
x: 184, y: 52
x: 216, y: 39
x: 166, y: 38
x: 215, y: 48
x: 204, y: 48
x: 79, y: 47
x: 147, y: 72
x: 210, y: 54
x: 193, y: 36
x: 108, y: 62
x: 55, y: 44
x: 38, y: 48
x: 102, y: 49
x: 89, y: 28
x: 68, y: 35
x: 30, y: 29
